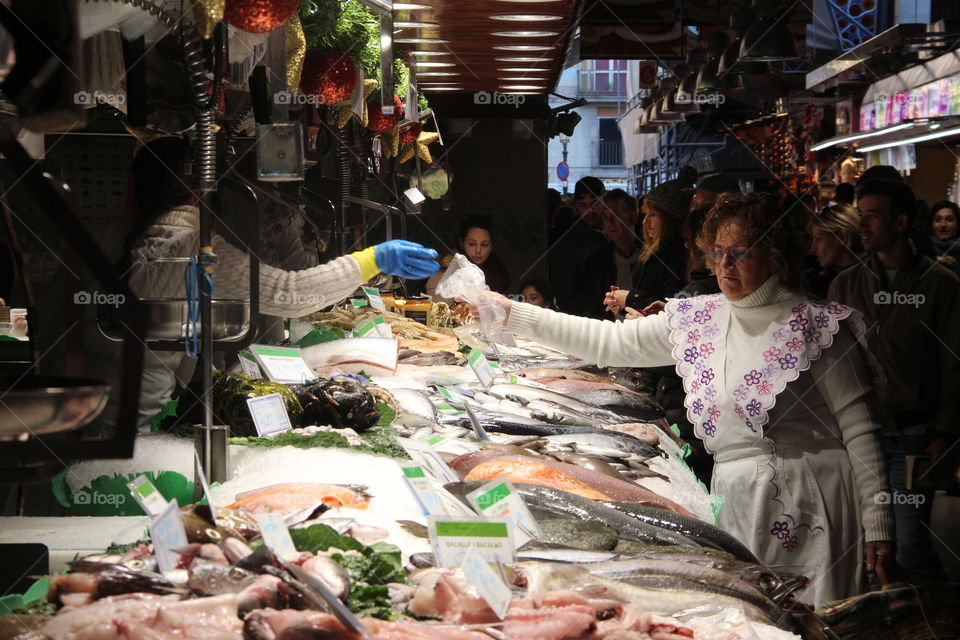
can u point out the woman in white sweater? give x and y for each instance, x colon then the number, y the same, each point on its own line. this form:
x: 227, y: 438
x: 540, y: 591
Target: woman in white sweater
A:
x: 777, y: 387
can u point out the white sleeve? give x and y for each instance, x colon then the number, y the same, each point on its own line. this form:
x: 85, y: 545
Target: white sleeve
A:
x: 634, y: 343
x: 287, y: 294
x: 841, y: 377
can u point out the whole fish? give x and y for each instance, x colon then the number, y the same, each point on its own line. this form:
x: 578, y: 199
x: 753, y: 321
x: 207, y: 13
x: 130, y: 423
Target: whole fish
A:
x: 622, y: 402
x: 577, y: 534
x: 601, y: 439
x: 519, y: 469
x: 641, y: 430
x: 702, y: 532
x: 328, y: 571
x: 586, y: 462
x: 561, y: 374
x: 569, y: 405
x: 208, y: 578
x: 649, y: 571
x: 294, y: 496
x: 563, y: 504
x: 414, y: 408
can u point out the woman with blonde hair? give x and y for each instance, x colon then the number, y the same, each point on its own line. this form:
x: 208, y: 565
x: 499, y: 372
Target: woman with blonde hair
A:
x: 835, y: 243
x: 661, y: 271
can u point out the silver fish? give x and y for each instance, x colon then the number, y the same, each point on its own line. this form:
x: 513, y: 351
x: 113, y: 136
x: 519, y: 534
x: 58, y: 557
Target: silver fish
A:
x: 208, y: 578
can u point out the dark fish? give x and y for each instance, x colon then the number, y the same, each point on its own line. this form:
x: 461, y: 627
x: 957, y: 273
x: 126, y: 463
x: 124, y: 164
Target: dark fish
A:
x: 577, y: 534
x: 118, y: 579
x: 703, y: 533
x: 414, y: 528
x: 625, y: 403
x: 563, y: 504
x: 208, y: 578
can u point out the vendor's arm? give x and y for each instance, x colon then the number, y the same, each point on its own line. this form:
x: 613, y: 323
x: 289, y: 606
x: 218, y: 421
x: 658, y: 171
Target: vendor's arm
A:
x: 638, y: 343
x: 841, y: 378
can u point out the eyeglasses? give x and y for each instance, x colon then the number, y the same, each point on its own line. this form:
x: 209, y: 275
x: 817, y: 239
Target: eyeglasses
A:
x: 738, y: 252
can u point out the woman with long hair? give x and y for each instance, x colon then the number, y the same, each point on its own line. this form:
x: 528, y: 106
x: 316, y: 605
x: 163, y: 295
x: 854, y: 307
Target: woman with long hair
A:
x: 475, y: 241
x: 835, y: 243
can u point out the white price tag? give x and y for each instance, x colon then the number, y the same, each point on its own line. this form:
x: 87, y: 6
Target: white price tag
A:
x: 282, y: 364
x: 513, y: 379
x: 375, y: 328
x: 423, y: 455
x: 269, y: 414
x: 249, y: 365
x: 373, y: 295
x: 443, y: 444
x: 498, y: 498
x: 481, y: 367
x: 488, y: 582
x: 203, y: 485
x: 276, y: 535
x: 150, y: 500
x: 167, y: 534
x: 451, y: 539
x: 422, y: 490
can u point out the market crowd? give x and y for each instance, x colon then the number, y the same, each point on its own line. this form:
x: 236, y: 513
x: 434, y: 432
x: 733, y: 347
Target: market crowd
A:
x: 810, y: 349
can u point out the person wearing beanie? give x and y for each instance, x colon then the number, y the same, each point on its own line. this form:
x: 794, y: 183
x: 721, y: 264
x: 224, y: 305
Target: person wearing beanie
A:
x: 711, y: 187
x: 661, y: 270
x: 567, y: 255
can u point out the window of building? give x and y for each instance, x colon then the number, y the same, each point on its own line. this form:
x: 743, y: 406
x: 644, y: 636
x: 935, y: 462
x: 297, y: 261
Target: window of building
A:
x: 610, y: 145
x: 603, y: 77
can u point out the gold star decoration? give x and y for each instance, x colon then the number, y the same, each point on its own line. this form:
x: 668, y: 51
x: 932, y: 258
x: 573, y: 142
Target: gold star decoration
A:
x: 345, y: 109
x: 296, y: 49
x: 390, y: 141
x: 206, y: 15
x: 421, y: 146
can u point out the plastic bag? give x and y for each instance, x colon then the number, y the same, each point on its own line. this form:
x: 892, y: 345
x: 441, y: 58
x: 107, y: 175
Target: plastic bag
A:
x: 465, y: 280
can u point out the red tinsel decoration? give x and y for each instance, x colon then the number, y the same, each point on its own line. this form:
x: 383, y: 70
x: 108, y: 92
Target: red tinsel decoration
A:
x: 329, y: 76
x: 259, y: 16
x: 377, y: 120
x: 408, y: 135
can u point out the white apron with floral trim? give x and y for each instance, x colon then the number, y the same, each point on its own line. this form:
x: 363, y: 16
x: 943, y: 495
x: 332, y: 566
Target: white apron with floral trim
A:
x: 784, y: 475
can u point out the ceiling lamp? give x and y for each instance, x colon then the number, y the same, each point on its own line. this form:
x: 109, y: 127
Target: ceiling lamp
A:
x: 420, y: 41
x: 685, y: 97
x: 522, y: 47
x: 730, y: 63
x: 409, y: 6
x: 414, y: 24
x: 525, y: 34
x: 523, y: 59
x: 435, y: 64
x: 523, y: 87
x: 437, y: 74
x: 444, y: 88
x: 643, y: 123
x: 425, y: 53
x: 527, y: 17
x: 769, y: 39
x: 708, y: 79
x: 523, y: 69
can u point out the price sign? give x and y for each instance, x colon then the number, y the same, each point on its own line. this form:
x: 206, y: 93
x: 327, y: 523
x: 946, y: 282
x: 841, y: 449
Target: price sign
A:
x: 147, y: 496
x: 453, y: 538
x: 429, y: 460
x: 513, y: 379
x: 269, y: 414
x: 422, y: 490
x: 481, y: 367
x: 282, y: 364
x: 457, y: 447
x: 276, y: 535
x: 373, y: 295
x: 489, y: 584
x: 198, y: 468
x: 168, y: 534
x: 498, y: 498
x: 375, y: 328
x: 248, y: 363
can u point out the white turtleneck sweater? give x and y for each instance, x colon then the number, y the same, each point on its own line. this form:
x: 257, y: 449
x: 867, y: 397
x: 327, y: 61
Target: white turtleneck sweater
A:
x: 282, y: 293
x: 839, y: 377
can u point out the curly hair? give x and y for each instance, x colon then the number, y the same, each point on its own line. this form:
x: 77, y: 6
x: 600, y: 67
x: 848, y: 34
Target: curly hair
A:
x: 769, y: 230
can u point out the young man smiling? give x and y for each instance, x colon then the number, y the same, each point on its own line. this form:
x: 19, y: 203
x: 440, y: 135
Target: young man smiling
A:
x: 910, y: 305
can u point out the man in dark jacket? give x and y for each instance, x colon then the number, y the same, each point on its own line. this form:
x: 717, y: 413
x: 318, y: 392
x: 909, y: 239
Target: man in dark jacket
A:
x: 567, y: 255
x: 910, y: 305
x: 612, y: 262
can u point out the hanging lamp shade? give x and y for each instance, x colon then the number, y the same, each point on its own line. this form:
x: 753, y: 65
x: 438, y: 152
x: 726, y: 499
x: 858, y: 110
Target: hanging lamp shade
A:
x: 740, y: 22
x: 685, y: 99
x: 708, y: 79
x: 769, y: 40
x: 659, y: 114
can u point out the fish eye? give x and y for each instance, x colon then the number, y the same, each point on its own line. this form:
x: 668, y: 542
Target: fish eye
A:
x: 213, y: 534
x: 136, y: 563
x: 236, y: 574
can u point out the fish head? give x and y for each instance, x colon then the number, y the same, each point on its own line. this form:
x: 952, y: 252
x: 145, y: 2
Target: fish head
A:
x: 213, y: 578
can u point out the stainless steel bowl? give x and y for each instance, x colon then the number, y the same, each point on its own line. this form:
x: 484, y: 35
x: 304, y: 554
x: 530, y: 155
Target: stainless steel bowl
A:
x: 38, y: 405
x: 168, y: 319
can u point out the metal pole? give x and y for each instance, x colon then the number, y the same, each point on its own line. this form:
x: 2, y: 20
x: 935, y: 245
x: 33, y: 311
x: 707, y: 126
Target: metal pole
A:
x: 566, y: 183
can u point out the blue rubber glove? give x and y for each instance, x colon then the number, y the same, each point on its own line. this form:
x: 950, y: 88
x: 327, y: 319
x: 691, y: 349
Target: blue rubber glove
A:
x: 406, y: 259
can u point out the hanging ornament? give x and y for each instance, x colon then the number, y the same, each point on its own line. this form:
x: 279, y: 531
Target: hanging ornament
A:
x: 409, y: 132
x: 329, y: 76
x: 421, y: 146
x: 378, y: 121
x: 390, y: 140
x: 206, y: 15
x: 259, y: 16
x: 345, y: 111
x: 296, y: 50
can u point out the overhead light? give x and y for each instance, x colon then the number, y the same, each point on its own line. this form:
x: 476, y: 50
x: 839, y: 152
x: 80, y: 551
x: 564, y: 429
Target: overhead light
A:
x: 525, y: 34
x: 422, y: 52
x: 414, y: 25
x: 529, y: 1
x: 518, y: 79
x: 442, y: 88
x: 942, y: 133
x: 421, y: 41
x: 523, y: 87
x: 527, y: 17
x: 432, y: 83
x: 523, y: 59
x: 409, y: 6
x: 524, y: 69
x: 769, y: 39
x: 435, y: 64
x: 437, y: 74
x: 522, y: 47
x: 826, y: 144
